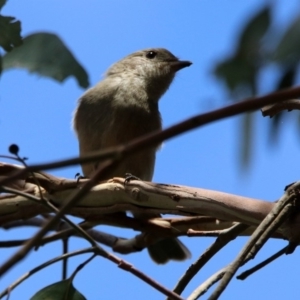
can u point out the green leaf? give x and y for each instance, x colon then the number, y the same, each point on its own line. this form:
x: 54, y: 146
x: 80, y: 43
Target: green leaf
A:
x: 288, y: 49
x: 62, y: 290
x: 238, y: 74
x: 240, y: 71
x: 10, y: 33
x: 253, y: 33
x: 46, y: 54
x: 2, y: 3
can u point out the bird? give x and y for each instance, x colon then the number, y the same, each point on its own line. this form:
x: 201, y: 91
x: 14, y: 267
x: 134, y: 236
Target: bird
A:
x: 124, y: 106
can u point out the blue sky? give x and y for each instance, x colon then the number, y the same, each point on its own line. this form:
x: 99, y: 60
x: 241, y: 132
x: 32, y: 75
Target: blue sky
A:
x: 36, y: 115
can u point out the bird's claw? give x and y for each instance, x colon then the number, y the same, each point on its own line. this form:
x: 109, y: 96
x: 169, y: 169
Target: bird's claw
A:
x: 78, y: 177
x: 128, y: 177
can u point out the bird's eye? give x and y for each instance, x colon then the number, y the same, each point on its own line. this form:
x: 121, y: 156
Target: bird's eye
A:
x: 151, y: 54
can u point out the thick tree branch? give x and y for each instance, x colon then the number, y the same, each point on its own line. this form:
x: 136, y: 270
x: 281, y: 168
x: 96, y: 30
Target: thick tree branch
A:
x: 138, y: 196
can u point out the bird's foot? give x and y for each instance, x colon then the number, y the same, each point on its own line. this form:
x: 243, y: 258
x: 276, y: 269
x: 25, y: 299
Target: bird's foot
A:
x: 128, y: 177
x: 78, y: 177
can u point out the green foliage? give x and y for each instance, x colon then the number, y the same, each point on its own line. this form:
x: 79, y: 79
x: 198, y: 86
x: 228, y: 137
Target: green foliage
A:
x: 288, y: 49
x: 2, y: 3
x: 257, y: 48
x: 10, y: 33
x: 240, y: 71
x: 43, y: 53
x: 47, y: 55
x: 62, y: 290
x: 255, y: 30
x: 253, y: 53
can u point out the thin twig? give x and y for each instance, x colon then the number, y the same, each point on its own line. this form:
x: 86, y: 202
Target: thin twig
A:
x: 233, y: 267
x: 70, y: 280
x: 65, y: 246
x: 38, y: 236
x: 274, y: 109
x: 202, y: 233
x: 35, y: 221
x: 44, y: 265
x: 259, y: 266
x: 81, y: 266
x: 280, y: 219
x: 223, y: 239
x: 13, y: 243
x: 130, y: 268
x: 204, y: 287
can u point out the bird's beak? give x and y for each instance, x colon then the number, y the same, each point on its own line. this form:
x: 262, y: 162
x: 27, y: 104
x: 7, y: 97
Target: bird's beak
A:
x: 180, y: 64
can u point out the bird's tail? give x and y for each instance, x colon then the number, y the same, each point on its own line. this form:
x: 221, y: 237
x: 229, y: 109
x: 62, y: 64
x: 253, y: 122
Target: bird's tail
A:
x: 168, y: 249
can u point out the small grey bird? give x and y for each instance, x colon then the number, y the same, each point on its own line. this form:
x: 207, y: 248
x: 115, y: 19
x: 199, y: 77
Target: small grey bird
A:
x: 122, y: 107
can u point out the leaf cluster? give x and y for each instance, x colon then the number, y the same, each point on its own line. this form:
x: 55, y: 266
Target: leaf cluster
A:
x: 42, y: 53
x: 261, y: 47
